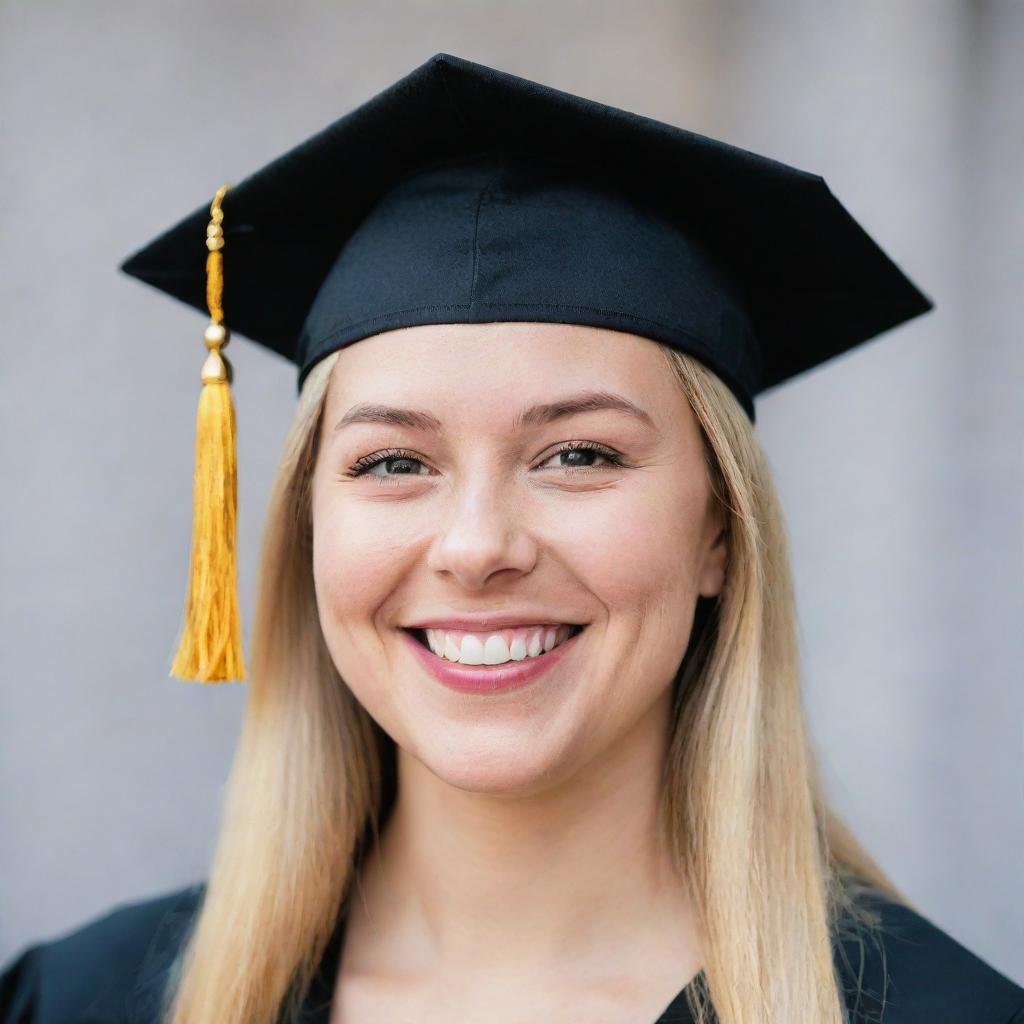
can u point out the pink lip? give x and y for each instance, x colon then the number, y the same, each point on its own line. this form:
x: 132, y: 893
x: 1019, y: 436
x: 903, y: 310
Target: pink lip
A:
x: 491, y: 679
x: 481, y: 623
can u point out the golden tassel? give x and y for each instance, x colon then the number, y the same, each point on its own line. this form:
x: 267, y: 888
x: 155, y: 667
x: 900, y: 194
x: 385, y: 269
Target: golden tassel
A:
x: 210, y: 650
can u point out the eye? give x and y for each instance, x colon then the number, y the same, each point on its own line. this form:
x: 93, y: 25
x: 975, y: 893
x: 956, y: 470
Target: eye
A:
x: 401, y: 461
x: 582, y: 451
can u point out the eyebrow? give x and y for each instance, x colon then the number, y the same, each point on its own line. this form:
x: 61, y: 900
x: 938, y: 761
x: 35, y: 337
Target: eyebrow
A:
x: 535, y: 415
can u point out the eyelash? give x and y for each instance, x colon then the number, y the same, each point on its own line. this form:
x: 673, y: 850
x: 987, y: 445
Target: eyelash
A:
x: 362, y: 466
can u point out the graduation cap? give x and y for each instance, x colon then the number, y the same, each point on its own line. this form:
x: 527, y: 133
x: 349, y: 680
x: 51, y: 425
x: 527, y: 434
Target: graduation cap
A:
x: 463, y: 194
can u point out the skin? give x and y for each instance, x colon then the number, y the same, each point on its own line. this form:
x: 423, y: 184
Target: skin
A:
x: 520, y: 876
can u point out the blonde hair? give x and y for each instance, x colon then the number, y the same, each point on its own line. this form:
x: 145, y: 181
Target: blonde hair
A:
x: 770, y: 868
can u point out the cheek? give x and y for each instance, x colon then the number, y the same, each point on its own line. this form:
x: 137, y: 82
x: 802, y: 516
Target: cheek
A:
x: 354, y: 564
x: 638, y: 560
x: 357, y: 564
x: 637, y: 554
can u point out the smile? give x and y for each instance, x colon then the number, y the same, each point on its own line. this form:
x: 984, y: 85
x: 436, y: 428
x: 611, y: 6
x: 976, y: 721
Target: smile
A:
x: 497, y: 647
x: 511, y: 664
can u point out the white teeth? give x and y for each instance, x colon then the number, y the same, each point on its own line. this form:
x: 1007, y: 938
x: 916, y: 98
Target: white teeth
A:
x: 472, y: 652
x: 494, y: 650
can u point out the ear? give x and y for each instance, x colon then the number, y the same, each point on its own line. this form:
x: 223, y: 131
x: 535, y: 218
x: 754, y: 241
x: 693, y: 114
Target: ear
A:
x: 711, y: 577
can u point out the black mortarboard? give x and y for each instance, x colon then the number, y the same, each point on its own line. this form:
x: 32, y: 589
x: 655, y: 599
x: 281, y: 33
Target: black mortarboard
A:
x: 463, y: 194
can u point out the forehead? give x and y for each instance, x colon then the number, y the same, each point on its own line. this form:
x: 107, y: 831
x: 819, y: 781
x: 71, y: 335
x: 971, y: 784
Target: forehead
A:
x: 464, y: 371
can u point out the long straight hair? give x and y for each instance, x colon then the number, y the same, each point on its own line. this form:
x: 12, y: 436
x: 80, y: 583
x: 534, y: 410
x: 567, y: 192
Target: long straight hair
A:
x: 770, y: 868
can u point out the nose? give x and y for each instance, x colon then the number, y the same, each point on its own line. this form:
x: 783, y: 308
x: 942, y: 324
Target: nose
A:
x: 482, y: 534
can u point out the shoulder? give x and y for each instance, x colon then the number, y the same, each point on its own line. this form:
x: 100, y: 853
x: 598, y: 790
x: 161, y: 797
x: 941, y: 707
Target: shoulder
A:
x: 910, y: 971
x: 109, y: 969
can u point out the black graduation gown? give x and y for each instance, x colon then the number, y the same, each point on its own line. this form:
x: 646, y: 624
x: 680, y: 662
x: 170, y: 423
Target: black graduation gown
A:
x: 112, y: 971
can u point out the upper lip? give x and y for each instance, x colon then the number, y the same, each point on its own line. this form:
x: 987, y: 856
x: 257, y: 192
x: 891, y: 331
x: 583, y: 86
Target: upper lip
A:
x: 474, y: 623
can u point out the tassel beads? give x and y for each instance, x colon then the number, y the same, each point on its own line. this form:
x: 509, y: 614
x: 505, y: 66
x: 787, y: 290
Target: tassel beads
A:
x: 210, y: 649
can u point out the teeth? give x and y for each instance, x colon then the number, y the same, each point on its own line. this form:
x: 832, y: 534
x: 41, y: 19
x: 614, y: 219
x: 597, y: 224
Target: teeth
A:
x: 447, y: 648
x: 495, y: 650
x: 472, y: 652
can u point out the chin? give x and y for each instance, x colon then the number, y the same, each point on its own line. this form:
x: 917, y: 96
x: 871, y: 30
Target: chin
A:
x: 513, y: 768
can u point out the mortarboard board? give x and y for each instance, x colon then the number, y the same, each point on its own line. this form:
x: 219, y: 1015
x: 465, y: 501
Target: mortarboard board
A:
x: 463, y: 194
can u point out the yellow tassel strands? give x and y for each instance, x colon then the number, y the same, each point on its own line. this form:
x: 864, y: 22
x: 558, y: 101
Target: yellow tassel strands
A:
x: 210, y: 650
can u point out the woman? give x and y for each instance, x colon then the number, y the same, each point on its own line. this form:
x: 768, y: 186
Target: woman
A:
x: 525, y: 738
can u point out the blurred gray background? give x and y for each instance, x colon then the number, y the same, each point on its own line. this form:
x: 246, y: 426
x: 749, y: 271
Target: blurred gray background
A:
x: 899, y: 463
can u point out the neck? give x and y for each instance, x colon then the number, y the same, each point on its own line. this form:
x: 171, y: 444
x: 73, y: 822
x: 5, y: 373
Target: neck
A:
x: 563, y: 876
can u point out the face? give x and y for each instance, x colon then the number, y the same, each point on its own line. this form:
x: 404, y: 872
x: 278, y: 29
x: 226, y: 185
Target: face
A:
x: 501, y: 500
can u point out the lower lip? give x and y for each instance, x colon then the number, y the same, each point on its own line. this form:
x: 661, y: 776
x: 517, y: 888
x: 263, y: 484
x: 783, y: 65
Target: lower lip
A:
x: 490, y: 679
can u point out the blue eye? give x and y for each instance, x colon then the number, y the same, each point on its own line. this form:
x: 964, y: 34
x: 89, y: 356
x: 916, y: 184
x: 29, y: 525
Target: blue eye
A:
x: 393, y: 456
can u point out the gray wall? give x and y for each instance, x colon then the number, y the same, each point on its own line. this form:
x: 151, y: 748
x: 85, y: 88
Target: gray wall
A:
x: 899, y: 463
